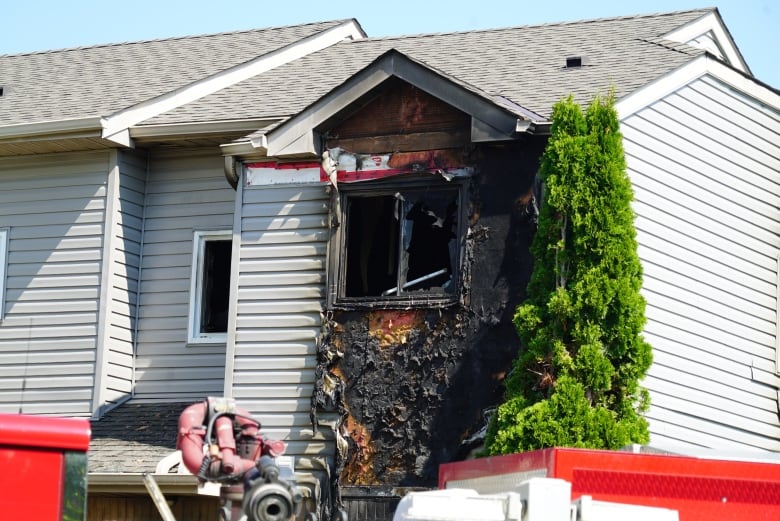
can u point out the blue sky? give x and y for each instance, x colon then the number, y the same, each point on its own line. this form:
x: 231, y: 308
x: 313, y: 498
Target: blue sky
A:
x: 38, y: 25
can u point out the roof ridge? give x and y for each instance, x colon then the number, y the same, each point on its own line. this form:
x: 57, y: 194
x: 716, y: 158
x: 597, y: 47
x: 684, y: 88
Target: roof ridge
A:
x: 703, y: 10
x: 175, y: 38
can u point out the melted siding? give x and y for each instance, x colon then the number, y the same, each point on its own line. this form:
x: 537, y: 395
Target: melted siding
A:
x: 704, y: 163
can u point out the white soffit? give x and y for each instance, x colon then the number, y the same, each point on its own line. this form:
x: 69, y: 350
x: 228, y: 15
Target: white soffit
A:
x: 117, y: 124
x: 701, y: 66
x: 696, y: 34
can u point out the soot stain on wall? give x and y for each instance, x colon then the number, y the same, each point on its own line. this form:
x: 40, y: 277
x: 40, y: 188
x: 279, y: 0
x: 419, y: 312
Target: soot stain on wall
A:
x: 412, y: 386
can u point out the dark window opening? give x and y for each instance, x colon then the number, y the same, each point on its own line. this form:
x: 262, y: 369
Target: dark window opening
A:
x: 215, y: 294
x: 401, y: 243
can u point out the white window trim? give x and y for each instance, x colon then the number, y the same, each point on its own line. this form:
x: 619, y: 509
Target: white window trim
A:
x: 3, y: 267
x: 199, y: 238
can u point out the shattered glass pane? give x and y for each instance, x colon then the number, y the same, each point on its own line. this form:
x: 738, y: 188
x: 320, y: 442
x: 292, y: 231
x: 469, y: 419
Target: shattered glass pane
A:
x: 434, y: 218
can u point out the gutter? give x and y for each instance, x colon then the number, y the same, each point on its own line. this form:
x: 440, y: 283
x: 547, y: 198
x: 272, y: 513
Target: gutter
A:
x: 187, y: 130
x: 84, y: 127
x: 134, y: 483
x: 536, y: 128
x: 255, y: 147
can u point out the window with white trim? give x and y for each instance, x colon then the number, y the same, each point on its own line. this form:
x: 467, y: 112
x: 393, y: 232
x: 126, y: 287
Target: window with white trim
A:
x: 3, y: 268
x: 210, y: 287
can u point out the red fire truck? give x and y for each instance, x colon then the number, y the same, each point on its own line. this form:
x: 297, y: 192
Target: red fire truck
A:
x: 44, y: 467
x: 699, y: 488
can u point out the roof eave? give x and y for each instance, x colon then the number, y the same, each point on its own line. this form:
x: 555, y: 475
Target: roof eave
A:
x: 77, y: 127
x: 187, y: 130
x: 133, y: 483
x: 144, y: 111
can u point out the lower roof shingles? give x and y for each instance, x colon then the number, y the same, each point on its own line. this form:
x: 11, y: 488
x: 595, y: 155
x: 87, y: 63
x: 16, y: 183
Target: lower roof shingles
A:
x: 134, y: 437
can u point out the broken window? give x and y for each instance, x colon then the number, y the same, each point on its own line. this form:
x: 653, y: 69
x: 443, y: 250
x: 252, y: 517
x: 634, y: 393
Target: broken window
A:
x: 400, y: 241
x: 210, y: 287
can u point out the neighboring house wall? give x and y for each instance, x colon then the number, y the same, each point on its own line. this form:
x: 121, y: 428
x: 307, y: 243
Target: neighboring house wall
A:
x: 186, y: 191
x: 281, y: 283
x: 54, y: 208
x: 704, y: 163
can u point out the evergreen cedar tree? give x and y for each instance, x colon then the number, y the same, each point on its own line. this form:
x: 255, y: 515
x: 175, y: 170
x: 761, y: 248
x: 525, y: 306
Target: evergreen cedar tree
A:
x: 576, y: 382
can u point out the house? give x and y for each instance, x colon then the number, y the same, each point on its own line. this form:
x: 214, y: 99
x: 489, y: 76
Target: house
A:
x: 220, y: 215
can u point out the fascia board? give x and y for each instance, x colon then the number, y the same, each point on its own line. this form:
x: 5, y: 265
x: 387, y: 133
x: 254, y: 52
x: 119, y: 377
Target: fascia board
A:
x: 661, y: 87
x: 240, y: 150
x: 249, y: 147
x: 82, y: 126
x: 703, y: 65
x: 297, y: 136
x: 131, y: 116
x: 744, y: 82
x: 100, y: 482
x: 195, y: 129
x: 705, y: 24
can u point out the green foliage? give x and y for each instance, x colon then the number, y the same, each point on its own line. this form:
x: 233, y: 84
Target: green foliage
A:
x: 74, y: 500
x: 576, y: 383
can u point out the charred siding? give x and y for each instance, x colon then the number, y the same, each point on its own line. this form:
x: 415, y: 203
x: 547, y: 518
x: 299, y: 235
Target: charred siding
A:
x: 417, y: 382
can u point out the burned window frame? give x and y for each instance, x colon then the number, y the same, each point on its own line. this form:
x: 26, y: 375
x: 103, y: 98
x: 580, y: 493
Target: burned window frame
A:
x: 339, y: 249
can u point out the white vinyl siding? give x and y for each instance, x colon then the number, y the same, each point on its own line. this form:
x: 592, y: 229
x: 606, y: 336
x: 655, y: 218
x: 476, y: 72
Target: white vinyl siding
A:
x: 704, y: 163
x: 186, y: 191
x: 54, y: 210
x: 3, y: 265
x: 281, y: 283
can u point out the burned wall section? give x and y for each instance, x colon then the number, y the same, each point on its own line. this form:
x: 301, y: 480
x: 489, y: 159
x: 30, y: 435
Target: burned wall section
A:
x: 413, y: 385
x: 411, y: 370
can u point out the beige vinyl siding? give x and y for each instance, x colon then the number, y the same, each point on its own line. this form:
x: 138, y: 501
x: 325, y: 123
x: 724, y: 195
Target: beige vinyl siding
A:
x: 186, y: 191
x: 54, y: 209
x: 281, y: 286
x: 704, y: 163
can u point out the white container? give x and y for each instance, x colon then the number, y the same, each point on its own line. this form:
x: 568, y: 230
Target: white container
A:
x: 457, y: 504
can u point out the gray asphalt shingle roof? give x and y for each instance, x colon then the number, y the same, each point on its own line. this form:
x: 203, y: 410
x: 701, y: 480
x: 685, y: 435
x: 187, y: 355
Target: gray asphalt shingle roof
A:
x: 134, y: 437
x: 100, y: 80
x: 522, y: 64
